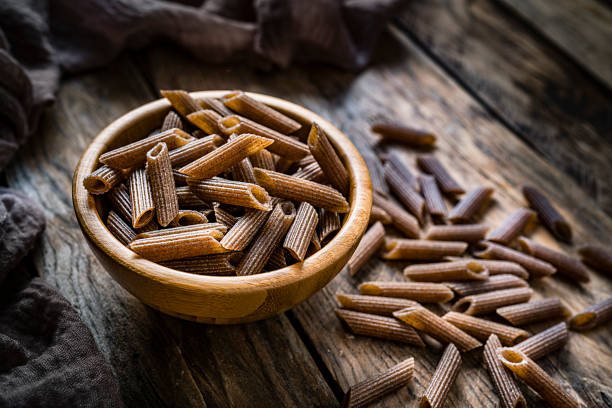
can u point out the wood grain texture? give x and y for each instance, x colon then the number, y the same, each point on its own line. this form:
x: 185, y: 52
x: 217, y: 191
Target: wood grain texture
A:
x: 159, y: 361
x: 472, y: 143
x: 539, y: 92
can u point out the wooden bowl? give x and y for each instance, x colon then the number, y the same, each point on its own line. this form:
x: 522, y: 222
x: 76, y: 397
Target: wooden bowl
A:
x: 218, y: 299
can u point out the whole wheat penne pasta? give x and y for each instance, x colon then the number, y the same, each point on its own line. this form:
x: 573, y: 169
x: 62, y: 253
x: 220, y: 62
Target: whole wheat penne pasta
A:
x: 592, y: 316
x: 267, y: 239
x: 496, y: 282
x: 194, y: 150
x: 421, y: 250
x: 102, y: 180
x: 382, y: 327
x: 380, y: 305
x: 423, y: 292
x: 316, y: 241
x: 135, y: 154
x: 214, y: 104
x: 430, y: 165
x: 171, y: 121
x: 325, y: 154
x: 531, y: 373
x: 306, y: 160
x: 293, y: 188
x: 151, y: 226
x: 459, y: 232
x: 180, y: 179
x: 397, y: 165
x: 224, y: 217
x: 225, y: 156
x: 231, y: 192
x: 181, y: 101
x: 504, y: 267
x: 470, y: 204
x: 376, y: 171
x: 374, y: 388
x: 545, y: 342
x: 512, y: 226
x: 263, y: 159
x: 329, y: 222
x: 596, y: 257
x: 188, y: 217
x: 163, y: 190
x: 312, y: 172
x: 443, y: 378
x: 278, y: 260
x: 141, y: 199
x: 243, y: 171
x: 206, y: 120
x: 533, y: 312
x: 548, y: 215
x: 301, y: 232
x: 433, y: 198
x: 119, y: 200
x: 406, y: 194
x: 467, y: 270
x: 244, y: 230
x: 377, y: 214
x: 123, y: 232
x: 405, y: 135
x: 218, y: 264
x: 188, y: 200
x: 482, y: 329
x: 243, y: 104
x: 177, y: 246
x: 370, y: 243
x: 535, y: 267
x: 509, y: 394
x: 400, y: 218
x: 488, y: 302
x: 283, y: 145
x: 185, y: 229
x: 565, y: 265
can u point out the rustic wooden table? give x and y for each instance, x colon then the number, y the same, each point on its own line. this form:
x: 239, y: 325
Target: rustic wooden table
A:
x: 517, y: 91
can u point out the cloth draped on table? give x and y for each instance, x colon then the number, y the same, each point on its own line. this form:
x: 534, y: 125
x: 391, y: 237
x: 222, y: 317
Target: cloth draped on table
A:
x: 47, y: 355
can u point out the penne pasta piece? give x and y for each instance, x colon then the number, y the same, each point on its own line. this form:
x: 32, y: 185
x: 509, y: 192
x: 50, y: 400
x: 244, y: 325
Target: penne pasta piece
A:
x: 135, y: 154
x: 428, y: 322
x: 430, y: 165
x: 496, y: 282
x: 400, y: 218
x: 277, y: 260
x: 216, y: 105
x: 443, y: 378
x: 293, y: 188
x: 312, y: 172
x: 592, y: 316
x: 381, y: 327
x: 283, y: 145
x: 504, y: 267
x: 224, y: 217
x: 374, y: 388
x: 403, y: 134
x: 187, y: 199
x: 243, y: 171
x: 421, y: 250
x: 301, y: 232
x: 375, y: 169
x: 379, y: 305
x: 532, y: 312
x: 306, y: 161
x: 423, y: 292
x: 459, y: 232
x: 123, y: 232
x: 329, y: 222
x: 181, y: 101
x: 102, y: 180
x: 188, y: 217
x: 119, y: 199
x: 219, y: 264
x: 482, y: 329
x: 267, y: 240
x: 327, y: 158
x: 488, y: 302
x: 244, y: 230
x: 176, y: 246
x: 535, y: 267
x: 470, y: 204
x: 433, y: 198
x: 544, y: 342
x: 549, y: 216
x: 186, y: 229
x: 509, y: 394
x: 231, y: 192
x: 180, y: 179
x: 194, y: 150
x: 141, y: 199
x: 206, y: 120
x: 225, y: 156
x: 565, y: 265
x: 512, y: 226
x: 377, y: 214
x: 531, y: 373
x: 406, y: 194
x: 263, y: 159
x: 163, y: 190
x: 243, y: 104
x: 469, y: 270
x: 397, y: 165
x: 370, y: 243
x: 596, y: 257
x: 171, y: 121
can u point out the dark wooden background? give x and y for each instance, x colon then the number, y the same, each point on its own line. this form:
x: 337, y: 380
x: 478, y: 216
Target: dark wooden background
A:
x: 518, y: 91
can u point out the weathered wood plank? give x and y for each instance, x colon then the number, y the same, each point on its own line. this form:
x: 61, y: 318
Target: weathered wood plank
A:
x: 159, y: 361
x: 540, y: 93
x: 582, y: 28
x: 404, y: 84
